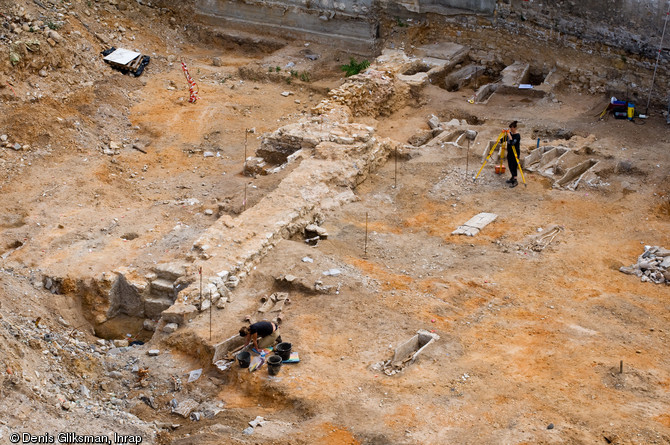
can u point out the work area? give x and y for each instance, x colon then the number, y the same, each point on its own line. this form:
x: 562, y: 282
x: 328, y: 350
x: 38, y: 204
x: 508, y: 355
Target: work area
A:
x: 354, y: 223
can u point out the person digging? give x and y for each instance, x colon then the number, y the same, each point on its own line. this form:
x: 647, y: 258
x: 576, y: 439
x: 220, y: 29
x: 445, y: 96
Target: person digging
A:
x: 262, y: 334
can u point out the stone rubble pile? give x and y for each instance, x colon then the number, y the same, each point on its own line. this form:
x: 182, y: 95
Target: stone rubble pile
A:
x: 371, y: 93
x: 24, y: 23
x: 273, y: 306
x: 51, y: 383
x: 653, y: 265
x: 5, y: 142
x: 278, y: 146
x: 215, y: 292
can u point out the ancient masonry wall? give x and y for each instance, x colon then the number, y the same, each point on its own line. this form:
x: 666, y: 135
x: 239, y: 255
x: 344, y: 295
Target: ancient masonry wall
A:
x: 353, y: 24
x: 631, y: 25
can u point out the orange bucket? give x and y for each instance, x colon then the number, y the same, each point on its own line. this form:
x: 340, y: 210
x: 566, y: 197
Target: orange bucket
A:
x: 500, y: 169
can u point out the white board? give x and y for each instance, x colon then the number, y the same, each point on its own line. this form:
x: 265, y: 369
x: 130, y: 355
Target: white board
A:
x: 122, y: 56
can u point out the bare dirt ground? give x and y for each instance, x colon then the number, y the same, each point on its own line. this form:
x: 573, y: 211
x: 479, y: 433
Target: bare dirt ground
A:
x: 527, y: 339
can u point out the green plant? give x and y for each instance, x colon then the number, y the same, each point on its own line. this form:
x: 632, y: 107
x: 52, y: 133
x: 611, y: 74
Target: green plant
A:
x: 14, y: 58
x: 289, y: 80
x: 354, y: 67
x: 294, y: 73
x: 54, y: 25
x: 270, y: 69
x: 304, y: 76
x: 277, y: 69
x: 399, y: 22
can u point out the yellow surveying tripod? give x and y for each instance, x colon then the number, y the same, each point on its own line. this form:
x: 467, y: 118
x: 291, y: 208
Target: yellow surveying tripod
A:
x: 500, y: 141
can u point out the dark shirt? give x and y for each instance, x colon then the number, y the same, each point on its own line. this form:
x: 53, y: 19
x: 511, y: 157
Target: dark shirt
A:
x: 514, y: 140
x: 262, y: 328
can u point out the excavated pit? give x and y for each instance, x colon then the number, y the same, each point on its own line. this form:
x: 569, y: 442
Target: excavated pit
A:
x: 470, y: 77
x: 125, y: 236
x: 536, y: 77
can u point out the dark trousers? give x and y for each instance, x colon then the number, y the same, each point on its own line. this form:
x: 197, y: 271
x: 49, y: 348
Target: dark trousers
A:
x: 511, y: 160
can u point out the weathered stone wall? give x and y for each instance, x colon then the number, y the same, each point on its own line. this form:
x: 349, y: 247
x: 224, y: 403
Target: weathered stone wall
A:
x: 347, y: 22
x: 350, y: 23
x: 632, y: 25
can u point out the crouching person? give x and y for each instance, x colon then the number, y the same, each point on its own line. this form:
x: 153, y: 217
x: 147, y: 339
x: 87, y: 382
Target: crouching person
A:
x: 262, y: 334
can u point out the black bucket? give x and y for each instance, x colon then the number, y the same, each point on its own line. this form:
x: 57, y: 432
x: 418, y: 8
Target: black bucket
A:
x: 244, y: 359
x: 274, y: 364
x: 283, y: 350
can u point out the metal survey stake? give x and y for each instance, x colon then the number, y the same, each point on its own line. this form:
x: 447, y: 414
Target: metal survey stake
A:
x: 395, y: 175
x: 621, y: 367
x: 244, y: 203
x: 200, y: 272
x: 210, y: 315
x: 246, y: 134
x: 467, y: 159
x: 365, y: 248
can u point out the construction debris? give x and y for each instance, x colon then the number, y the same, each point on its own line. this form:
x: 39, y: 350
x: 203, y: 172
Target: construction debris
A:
x: 126, y: 61
x: 194, y: 375
x: 258, y: 421
x: 184, y: 407
x: 653, y: 265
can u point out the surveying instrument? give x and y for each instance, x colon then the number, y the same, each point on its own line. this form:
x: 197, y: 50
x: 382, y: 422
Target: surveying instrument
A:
x: 500, y: 143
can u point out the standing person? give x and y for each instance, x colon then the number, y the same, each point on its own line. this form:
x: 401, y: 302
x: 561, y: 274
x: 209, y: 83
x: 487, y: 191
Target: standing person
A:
x: 513, y: 144
x: 263, y: 334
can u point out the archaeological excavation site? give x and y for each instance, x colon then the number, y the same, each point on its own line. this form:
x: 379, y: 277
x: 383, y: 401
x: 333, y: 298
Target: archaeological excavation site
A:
x: 335, y: 222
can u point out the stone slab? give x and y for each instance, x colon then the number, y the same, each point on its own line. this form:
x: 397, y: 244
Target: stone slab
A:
x: 444, y: 50
x: 475, y: 224
x: 185, y: 407
x: 179, y: 313
x: 153, y: 307
x: 170, y: 271
x: 161, y: 286
x: 515, y: 74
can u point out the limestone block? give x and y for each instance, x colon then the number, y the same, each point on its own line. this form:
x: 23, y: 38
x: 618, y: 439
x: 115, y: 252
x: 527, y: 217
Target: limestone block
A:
x: 161, y: 287
x: 154, y: 307
x: 415, y: 80
x: 170, y: 271
x: 185, y: 407
x: 179, y: 313
x: 149, y: 325
x: 515, y: 74
x: 126, y: 298
x: 169, y: 328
